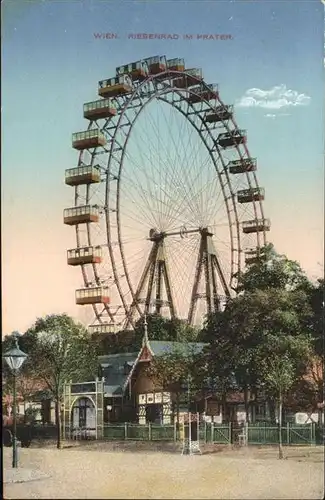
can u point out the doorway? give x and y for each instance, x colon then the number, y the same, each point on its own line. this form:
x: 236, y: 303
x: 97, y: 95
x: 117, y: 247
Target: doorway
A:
x: 154, y: 414
x: 83, y: 414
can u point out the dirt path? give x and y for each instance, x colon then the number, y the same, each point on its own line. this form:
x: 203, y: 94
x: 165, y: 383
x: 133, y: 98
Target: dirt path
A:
x: 87, y: 472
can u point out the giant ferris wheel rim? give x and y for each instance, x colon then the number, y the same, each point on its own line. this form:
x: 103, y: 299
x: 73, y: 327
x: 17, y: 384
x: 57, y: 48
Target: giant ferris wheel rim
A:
x: 159, y: 95
x: 123, y: 109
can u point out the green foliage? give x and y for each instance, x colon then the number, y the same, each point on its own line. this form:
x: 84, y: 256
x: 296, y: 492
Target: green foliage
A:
x: 159, y: 328
x: 271, y: 319
x: 271, y: 270
x: 279, y: 375
x: 123, y: 341
x: 26, y: 385
x: 31, y: 414
x: 60, y: 350
x: 305, y: 395
x: 315, y: 321
x: 282, y: 360
x: 172, y: 369
x: 235, y: 335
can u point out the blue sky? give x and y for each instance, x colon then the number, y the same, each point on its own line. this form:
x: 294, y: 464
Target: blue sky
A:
x: 52, y: 62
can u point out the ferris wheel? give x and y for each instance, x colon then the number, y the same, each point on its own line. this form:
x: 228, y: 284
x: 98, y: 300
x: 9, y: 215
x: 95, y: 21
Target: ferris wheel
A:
x: 167, y: 207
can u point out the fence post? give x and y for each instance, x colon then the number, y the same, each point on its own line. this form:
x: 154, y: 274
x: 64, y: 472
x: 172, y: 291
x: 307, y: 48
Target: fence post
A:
x: 149, y: 430
x: 229, y: 433
x: 175, y: 431
x: 125, y: 430
x: 205, y: 431
x: 212, y: 431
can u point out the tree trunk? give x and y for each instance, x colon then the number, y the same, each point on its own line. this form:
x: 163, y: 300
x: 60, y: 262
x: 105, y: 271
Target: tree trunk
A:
x: 177, y: 416
x: 246, y: 403
x: 58, y: 423
x: 25, y: 416
x: 280, y: 426
x: 271, y: 405
x: 224, y: 406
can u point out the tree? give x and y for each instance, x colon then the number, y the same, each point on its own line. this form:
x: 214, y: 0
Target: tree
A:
x: 26, y: 385
x: 275, y: 300
x: 279, y: 377
x: 159, y: 328
x: 114, y: 343
x: 315, y: 322
x: 219, y: 357
x: 61, y: 350
x: 180, y: 331
x: 271, y: 270
x: 281, y: 358
x: 306, y: 394
x: 236, y: 334
x: 171, y: 370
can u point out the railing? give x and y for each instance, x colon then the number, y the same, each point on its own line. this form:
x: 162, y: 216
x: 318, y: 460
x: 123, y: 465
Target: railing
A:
x: 261, y: 433
x: 292, y: 434
x: 209, y: 433
x: 79, y: 433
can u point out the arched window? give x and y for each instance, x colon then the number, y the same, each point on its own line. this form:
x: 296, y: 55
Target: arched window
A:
x: 80, y: 412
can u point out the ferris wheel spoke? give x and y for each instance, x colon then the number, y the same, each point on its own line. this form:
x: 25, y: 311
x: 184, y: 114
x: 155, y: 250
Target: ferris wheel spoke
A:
x: 205, y: 218
x: 181, y: 259
x: 184, y: 170
x: 181, y: 200
x: 144, y: 194
x: 167, y: 171
x: 193, y: 202
x: 151, y: 164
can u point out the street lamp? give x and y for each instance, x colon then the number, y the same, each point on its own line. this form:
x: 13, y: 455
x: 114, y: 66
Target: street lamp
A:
x: 15, y: 359
x: 189, y: 450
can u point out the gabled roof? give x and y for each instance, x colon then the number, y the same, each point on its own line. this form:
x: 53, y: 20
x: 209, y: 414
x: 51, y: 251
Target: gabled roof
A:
x: 162, y: 347
x: 116, y: 378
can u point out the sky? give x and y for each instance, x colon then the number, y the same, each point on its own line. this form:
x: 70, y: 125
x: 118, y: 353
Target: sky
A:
x: 271, y: 68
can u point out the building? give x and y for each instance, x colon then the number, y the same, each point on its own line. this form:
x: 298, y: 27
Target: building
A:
x: 34, y: 401
x: 126, y: 393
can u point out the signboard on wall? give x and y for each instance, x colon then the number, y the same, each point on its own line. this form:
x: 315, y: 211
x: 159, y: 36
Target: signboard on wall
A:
x: 166, y: 397
x: 158, y: 397
x: 142, y: 398
x: 304, y: 418
x: 154, y: 397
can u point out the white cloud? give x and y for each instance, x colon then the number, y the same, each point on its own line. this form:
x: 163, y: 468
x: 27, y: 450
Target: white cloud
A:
x: 276, y: 98
x: 273, y: 116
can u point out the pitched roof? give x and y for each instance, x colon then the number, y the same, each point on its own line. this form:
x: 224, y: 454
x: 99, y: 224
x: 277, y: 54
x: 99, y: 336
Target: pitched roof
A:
x: 116, y: 376
x: 113, y: 390
x: 162, y: 347
x: 114, y: 371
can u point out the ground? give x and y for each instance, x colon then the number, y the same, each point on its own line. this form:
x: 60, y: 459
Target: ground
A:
x: 107, y: 470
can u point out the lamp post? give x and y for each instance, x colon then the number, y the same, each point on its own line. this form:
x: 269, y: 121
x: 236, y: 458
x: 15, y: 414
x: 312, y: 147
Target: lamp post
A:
x: 15, y: 359
x: 189, y: 414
